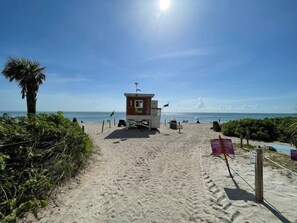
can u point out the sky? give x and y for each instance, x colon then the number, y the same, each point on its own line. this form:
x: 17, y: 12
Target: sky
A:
x: 198, y: 55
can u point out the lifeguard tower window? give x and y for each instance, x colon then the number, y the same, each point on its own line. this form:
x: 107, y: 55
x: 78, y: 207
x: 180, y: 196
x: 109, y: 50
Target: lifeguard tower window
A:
x: 138, y: 103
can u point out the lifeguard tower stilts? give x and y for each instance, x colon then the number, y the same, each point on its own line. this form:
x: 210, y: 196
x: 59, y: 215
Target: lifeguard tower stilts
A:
x: 141, y: 110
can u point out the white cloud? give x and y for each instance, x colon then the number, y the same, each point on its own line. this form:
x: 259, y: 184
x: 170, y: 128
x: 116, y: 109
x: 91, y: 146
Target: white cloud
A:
x: 200, y: 103
x: 250, y: 107
x: 287, y: 95
x: 224, y: 108
x: 156, y: 76
x: 222, y: 66
x: 58, y: 78
x: 182, y: 54
x: 80, y: 102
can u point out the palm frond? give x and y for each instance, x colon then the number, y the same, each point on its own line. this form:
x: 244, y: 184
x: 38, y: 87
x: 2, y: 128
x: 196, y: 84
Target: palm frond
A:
x: 28, y: 73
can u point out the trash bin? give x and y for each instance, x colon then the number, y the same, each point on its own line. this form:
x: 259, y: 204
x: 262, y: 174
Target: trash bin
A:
x: 216, y: 126
x: 122, y: 123
x: 173, y: 124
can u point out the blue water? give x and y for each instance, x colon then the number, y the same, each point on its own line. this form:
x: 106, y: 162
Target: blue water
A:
x: 222, y: 117
x: 190, y: 117
x: 283, y: 148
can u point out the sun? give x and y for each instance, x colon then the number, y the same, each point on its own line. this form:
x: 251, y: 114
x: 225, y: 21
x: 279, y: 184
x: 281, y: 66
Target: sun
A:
x: 164, y: 4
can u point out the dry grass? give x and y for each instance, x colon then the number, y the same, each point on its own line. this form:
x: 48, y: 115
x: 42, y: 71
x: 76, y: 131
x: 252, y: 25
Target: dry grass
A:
x: 280, y: 158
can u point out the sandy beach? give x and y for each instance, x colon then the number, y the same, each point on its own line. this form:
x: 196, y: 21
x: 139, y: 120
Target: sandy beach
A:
x: 151, y: 176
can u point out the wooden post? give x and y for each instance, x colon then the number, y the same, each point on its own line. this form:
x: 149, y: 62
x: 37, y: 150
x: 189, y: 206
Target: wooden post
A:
x: 178, y: 127
x: 247, y: 137
x: 83, y: 128
x: 114, y: 122
x: 102, y: 126
x: 224, y: 151
x: 259, y: 175
x: 109, y: 123
x: 241, y: 138
x: 165, y: 122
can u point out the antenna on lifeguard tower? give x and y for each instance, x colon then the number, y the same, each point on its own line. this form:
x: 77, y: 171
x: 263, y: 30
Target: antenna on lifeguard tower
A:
x: 136, y: 84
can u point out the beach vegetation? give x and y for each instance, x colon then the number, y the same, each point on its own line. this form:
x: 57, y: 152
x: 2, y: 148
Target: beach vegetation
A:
x: 246, y: 147
x: 267, y: 130
x: 36, y: 154
x: 294, y: 135
x: 279, y: 158
x: 29, y: 75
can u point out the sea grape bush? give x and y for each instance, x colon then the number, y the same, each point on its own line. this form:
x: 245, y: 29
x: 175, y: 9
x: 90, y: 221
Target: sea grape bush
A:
x: 36, y: 154
x: 268, y: 129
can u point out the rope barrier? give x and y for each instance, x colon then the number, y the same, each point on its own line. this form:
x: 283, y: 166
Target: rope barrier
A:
x: 242, y: 178
x: 280, y: 166
x: 294, y: 173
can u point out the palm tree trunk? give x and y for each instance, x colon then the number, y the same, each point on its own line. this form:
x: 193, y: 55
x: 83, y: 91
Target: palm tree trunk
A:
x: 31, y: 103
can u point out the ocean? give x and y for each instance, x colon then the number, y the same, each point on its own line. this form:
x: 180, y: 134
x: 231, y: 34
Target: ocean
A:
x: 191, y: 117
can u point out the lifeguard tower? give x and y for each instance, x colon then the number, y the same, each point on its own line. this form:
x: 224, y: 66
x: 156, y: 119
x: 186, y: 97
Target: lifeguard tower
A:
x: 141, y: 110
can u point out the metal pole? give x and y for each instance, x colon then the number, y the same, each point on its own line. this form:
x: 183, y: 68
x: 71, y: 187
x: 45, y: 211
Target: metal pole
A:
x: 224, y: 151
x: 259, y: 175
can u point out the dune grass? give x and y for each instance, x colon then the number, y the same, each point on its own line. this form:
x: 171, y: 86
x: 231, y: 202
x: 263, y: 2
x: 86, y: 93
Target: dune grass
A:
x: 36, y: 154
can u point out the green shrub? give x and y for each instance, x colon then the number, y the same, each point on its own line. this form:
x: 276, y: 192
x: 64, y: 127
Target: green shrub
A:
x: 273, y: 129
x: 36, y: 154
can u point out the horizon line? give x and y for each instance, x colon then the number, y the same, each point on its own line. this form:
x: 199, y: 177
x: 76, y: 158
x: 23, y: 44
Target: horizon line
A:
x: 164, y: 112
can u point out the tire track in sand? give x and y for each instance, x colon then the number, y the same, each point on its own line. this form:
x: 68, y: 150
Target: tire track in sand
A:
x: 218, y: 200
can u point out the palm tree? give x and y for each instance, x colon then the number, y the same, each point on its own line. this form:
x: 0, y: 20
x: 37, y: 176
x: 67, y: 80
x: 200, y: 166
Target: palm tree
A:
x: 29, y: 75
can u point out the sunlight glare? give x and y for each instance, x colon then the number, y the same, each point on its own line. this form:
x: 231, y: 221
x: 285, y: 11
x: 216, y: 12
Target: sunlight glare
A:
x: 164, y: 5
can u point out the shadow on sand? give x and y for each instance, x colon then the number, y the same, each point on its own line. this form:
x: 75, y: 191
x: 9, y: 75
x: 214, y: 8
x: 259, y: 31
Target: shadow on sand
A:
x: 240, y: 194
x: 131, y: 133
x: 274, y: 211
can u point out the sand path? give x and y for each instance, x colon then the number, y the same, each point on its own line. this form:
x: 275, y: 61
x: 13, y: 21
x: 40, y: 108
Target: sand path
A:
x: 142, y: 176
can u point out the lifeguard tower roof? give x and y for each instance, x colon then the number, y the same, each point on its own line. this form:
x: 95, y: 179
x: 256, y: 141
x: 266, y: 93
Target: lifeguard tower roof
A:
x: 139, y: 95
